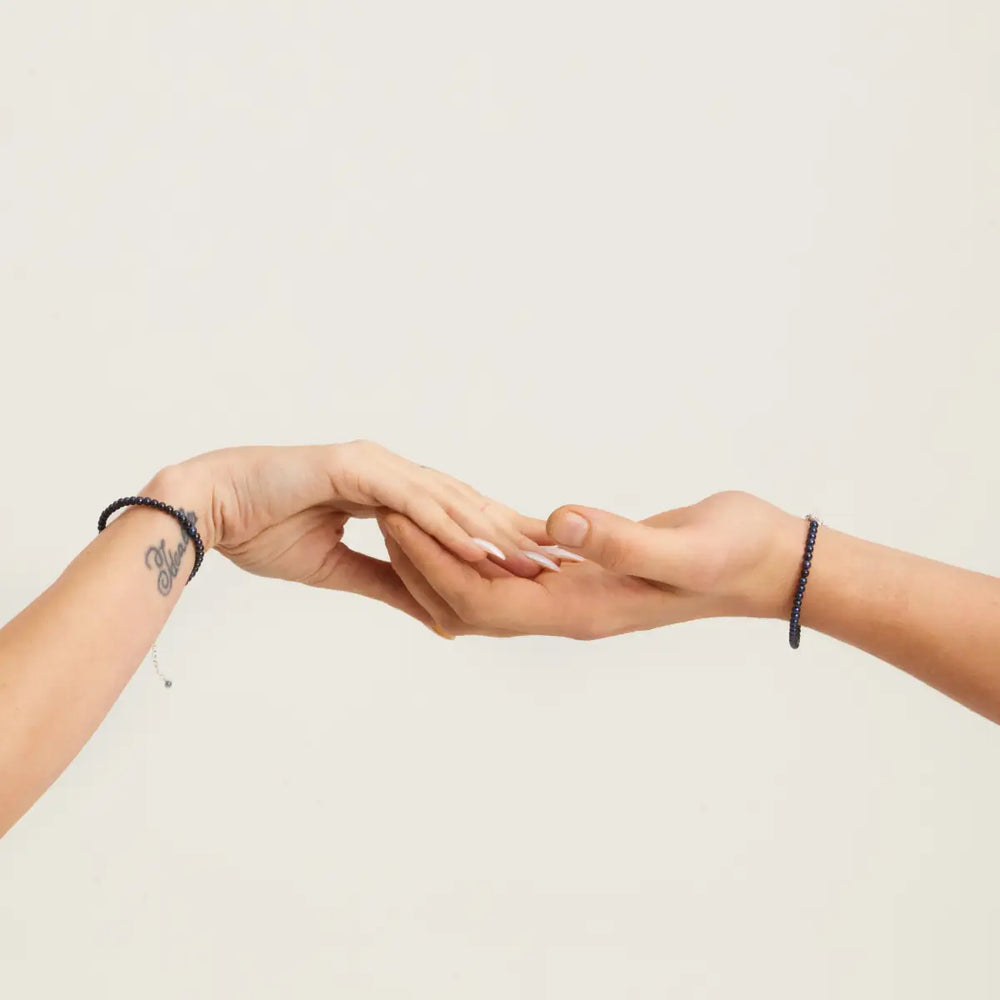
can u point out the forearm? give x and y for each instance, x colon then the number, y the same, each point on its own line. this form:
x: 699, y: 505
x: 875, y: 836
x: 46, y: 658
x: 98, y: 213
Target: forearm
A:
x: 65, y: 659
x: 937, y: 622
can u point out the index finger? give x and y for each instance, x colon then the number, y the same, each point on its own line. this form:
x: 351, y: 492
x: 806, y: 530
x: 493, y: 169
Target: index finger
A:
x: 510, y: 603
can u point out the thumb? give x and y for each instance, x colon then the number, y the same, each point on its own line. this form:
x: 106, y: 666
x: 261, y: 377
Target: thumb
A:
x: 621, y: 545
x: 357, y: 573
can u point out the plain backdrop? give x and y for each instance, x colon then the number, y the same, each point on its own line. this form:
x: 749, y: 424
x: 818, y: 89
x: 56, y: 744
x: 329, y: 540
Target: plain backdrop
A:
x: 623, y: 254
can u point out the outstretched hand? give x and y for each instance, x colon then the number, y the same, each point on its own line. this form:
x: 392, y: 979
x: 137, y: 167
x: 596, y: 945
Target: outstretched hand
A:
x: 281, y: 512
x: 732, y: 554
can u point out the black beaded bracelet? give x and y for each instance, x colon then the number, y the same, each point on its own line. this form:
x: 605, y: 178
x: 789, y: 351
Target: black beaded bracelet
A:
x: 794, y: 629
x: 185, y: 522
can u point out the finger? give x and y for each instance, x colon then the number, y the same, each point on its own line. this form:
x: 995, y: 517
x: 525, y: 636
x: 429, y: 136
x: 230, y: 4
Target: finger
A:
x: 448, y: 622
x: 559, y: 553
x: 511, y: 605
x: 486, y: 567
x: 470, y: 511
x: 489, y: 524
x: 490, y: 570
x: 430, y: 514
x: 423, y: 552
x: 484, y: 518
x: 370, y: 476
x: 533, y: 537
x: 402, y: 486
x: 374, y: 578
x: 623, y: 546
x: 436, y: 609
x: 473, y: 509
x: 526, y: 536
x: 535, y: 529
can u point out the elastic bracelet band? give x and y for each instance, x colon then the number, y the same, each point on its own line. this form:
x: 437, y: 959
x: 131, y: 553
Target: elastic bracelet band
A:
x: 794, y: 629
x: 185, y: 522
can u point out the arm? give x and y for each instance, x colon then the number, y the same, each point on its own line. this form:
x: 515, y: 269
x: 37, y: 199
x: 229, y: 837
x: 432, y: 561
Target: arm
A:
x: 937, y: 622
x: 731, y: 555
x: 276, y: 512
x: 65, y: 659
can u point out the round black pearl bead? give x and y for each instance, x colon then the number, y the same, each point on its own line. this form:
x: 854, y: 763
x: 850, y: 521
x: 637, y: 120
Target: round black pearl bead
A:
x: 794, y: 622
x: 184, y: 521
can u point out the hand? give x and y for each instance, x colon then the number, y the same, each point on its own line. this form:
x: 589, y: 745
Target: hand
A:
x: 281, y: 512
x: 729, y: 555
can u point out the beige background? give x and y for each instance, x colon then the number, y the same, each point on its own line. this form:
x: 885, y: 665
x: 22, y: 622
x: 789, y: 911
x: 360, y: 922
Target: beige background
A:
x: 620, y: 254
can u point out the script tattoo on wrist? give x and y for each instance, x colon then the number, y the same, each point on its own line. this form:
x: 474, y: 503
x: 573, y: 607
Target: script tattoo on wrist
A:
x: 166, y: 563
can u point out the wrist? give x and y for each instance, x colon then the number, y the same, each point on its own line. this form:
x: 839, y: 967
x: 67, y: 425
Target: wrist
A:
x: 187, y: 487
x: 775, y: 583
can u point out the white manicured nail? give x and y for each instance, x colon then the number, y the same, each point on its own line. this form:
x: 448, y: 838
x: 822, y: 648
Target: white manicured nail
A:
x: 489, y: 547
x: 541, y: 560
x: 560, y: 553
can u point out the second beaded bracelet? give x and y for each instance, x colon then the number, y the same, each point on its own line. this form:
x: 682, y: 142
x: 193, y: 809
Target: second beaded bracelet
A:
x: 794, y: 628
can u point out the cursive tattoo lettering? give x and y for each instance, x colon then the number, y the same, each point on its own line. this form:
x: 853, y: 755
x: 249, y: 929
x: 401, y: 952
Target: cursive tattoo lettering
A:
x: 166, y: 563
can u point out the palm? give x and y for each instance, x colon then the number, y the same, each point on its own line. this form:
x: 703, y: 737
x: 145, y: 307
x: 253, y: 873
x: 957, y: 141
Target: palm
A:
x: 305, y: 547
x: 585, y: 600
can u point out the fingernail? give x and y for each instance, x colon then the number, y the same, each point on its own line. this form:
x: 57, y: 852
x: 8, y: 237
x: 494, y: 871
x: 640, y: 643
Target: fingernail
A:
x: 541, y: 560
x: 560, y: 553
x: 441, y: 632
x: 570, y: 528
x: 489, y: 547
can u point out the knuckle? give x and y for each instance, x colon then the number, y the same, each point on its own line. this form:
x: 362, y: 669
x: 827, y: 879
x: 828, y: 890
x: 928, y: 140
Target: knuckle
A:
x: 438, y: 519
x: 732, y: 496
x: 363, y: 446
x: 451, y: 503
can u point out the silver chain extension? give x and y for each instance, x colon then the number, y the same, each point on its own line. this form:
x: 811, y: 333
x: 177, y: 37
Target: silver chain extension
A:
x: 156, y: 666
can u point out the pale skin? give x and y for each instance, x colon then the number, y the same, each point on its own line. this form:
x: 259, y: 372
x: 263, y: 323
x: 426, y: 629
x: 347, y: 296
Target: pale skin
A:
x: 276, y: 512
x: 731, y: 555
x: 281, y: 512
